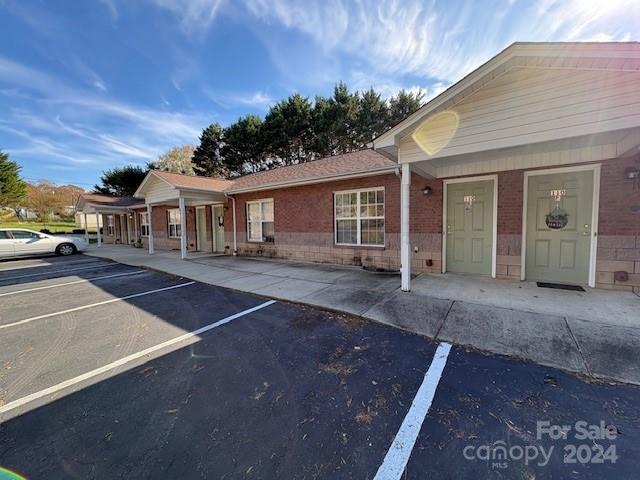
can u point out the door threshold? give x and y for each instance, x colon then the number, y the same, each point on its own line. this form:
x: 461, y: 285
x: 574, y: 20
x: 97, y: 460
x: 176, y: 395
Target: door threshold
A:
x: 561, y: 286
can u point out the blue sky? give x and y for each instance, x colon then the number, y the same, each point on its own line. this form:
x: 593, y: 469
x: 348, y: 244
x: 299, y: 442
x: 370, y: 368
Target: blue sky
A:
x: 94, y: 84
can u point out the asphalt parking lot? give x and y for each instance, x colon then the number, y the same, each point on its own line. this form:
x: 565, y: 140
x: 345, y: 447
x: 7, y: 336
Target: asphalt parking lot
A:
x: 111, y: 371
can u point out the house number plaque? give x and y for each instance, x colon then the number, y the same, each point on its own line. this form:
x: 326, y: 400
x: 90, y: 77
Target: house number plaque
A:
x: 558, y: 217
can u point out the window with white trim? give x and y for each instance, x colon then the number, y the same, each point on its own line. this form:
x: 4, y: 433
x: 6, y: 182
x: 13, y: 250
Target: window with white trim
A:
x: 173, y: 219
x: 110, y: 225
x: 144, y: 224
x: 359, y: 217
x: 260, y: 221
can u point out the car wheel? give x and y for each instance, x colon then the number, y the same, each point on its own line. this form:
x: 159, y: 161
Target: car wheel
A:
x: 66, y: 249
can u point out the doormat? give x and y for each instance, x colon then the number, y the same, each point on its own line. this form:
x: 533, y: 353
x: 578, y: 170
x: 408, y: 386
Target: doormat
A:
x: 561, y: 286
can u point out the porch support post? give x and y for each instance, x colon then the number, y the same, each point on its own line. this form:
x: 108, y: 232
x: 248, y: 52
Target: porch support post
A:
x: 128, y: 223
x: 98, y: 228
x: 86, y: 228
x: 405, y: 244
x: 150, y: 238
x: 183, y: 228
x: 235, y: 235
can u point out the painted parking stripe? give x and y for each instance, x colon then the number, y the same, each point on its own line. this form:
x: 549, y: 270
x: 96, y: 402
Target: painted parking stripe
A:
x: 75, y: 282
x: 129, y: 358
x: 53, y: 264
x: 97, y: 304
x: 106, y: 265
x: 395, y: 461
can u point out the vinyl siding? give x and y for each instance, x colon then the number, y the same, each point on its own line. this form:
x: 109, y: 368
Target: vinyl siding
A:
x: 527, y: 105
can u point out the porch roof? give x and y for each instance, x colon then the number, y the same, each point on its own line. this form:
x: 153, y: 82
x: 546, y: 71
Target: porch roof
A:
x: 97, y: 202
x: 165, y: 187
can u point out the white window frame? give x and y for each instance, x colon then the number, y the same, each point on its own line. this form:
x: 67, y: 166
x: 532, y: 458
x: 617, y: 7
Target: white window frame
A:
x: 177, y: 226
x: 144, y: 222
x: 111, y: 225
x: 358, y: 218
x: 261, y: 221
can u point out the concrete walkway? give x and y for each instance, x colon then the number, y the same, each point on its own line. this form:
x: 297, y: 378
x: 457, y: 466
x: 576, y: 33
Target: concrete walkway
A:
x: 594, y: 333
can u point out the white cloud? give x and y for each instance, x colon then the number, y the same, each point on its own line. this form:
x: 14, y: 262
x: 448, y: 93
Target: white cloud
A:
x: 194, y: 15
x: 439, y: 40
x: 230, y: 99
x: 57, y: 121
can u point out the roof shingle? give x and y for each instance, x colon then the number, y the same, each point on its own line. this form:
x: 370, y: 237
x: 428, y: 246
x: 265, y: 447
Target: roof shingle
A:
x: 110, y: 200
x: 190, y: 181
x: 361, y: 161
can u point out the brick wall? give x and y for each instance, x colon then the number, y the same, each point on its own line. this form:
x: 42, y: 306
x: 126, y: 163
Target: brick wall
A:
x: 304, y: 229
x: 618, y: 227
x: 159, y: 224
x: 304, y: 225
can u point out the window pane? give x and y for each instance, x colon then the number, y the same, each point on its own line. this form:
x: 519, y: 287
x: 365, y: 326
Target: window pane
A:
x: 380, y: 196
x: 253, y: 212
x: 372, y: 232
x: 22, y: 234
x: 267, y: 231
x: 4, y: 235
x: 267, y: 211
x: 254, y: 231
x: 347, y: 231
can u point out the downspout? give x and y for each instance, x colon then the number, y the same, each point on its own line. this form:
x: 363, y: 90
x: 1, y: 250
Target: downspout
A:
x: 235, y: 237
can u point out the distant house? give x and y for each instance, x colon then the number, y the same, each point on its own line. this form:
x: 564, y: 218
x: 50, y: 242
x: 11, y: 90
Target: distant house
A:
x: 526, y: 169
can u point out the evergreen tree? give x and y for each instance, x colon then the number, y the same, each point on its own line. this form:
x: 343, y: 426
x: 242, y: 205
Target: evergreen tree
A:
x: 373, y: 117
x: 243, y: 150
x: 403, y: 105
x: 207, y: 158
x: 121, y: 181
x: 287, y: 130
x: 13, y: 189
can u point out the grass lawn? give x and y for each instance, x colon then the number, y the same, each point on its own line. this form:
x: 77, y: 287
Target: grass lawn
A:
x: 54, y: 227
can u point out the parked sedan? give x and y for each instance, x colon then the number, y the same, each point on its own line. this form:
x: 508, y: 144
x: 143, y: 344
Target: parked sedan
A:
x: 16, y: 242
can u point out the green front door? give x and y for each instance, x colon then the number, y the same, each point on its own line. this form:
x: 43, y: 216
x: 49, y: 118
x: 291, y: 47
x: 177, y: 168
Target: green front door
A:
x: 218, y: 228
x: 470, y: 227
x: 559, y: 209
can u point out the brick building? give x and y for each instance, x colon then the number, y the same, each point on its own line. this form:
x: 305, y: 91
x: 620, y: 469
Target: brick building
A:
x: 526, y: 169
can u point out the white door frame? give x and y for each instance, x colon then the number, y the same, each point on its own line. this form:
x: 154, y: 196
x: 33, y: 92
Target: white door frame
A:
x: 494, y: 247
x: 595, y: 167
x: 214, y: 225
x: 198, y: 226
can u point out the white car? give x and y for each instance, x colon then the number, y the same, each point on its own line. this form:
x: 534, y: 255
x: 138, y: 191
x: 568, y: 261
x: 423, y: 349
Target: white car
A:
x: 16, y: 242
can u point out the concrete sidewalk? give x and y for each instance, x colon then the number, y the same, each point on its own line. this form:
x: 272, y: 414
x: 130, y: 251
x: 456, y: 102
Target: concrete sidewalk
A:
x: 594, y: 333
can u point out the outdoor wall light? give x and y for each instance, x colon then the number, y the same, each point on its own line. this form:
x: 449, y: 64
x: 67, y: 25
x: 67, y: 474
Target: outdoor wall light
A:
x: 632, y: 173
x: 427, y: 190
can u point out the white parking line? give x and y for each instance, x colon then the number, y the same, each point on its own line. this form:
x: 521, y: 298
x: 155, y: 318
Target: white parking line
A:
x: 123, y: 361
x: 106, y: 265
x: 97, y: 304
x: 53, y: 264
x: 93, y: 279
x: 395, y: 461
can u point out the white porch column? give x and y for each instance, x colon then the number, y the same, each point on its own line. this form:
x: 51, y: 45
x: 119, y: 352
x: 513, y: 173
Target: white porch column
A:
x: 405, y: 242
x: 150, y: 238
x: 235, y: 235
x: 126, y: 219
x: 183, y: 228
x: 86, y: 228
x: 98, y: 228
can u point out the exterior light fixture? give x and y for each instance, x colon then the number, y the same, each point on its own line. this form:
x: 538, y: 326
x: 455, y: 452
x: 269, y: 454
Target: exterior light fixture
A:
x: 632, y: 173
x: 427, y: 190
